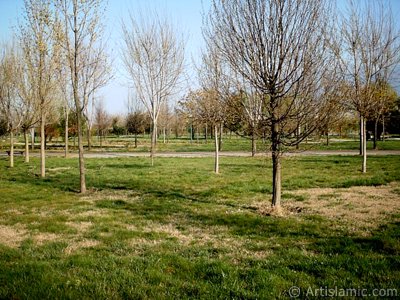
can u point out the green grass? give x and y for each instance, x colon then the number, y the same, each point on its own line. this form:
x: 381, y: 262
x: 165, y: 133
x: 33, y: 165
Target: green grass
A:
x: 229, y: 143
x: 176, y: 230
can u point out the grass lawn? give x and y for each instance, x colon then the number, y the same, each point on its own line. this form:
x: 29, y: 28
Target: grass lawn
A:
x: 176, y: 230
x: 229, y: 143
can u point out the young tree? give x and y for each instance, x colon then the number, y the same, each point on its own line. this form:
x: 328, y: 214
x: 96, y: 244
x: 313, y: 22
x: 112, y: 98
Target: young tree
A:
x: 204, y: 106
x: 37, y: 41
x: 384, y: 98
x: 85, y: 57
x: 26, y: 91
x: 211, y: 103
x: 368, y: 49
x: 135, y: 124
x: 278, y: 48
x: 153, y: 56
x: 102, y: 120
x: 10, y: 104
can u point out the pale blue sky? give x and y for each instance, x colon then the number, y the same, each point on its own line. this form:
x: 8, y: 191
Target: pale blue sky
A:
x: 186, y: 13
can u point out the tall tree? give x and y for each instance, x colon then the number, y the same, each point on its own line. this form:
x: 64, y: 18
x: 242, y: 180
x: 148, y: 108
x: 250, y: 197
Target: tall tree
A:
x: 85, y: 57
x: 278, y: 47
x: 204, y: 106
x: 153, y: 55
x: 384, y: 99
x: 11, y: 106
x: 102, y: 120
x: 211, y: 103
x: 26, y: 91
x: 37, y: 41
x: 368, y: 48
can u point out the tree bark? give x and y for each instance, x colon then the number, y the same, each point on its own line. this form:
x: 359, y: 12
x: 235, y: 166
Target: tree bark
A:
x: 327, y: 134
x: 42, y: 146
x: 11, y: 149
x: 361, y: 135
x: 66, y: 133
x: 88, y: 136
x: 276, y: 166
x: 33, y: 138
x: 206, y: 133
x: 82, y: 178
x: 253, y: 144
x: 26, y: 139
x: 375, y: 133
x: 364, y: 145
x: 298, y: 132
x: 276, y: 184
x: 135, y: 140
x: 216, y: 161
x: 153, y: 142
x: 221, y: 131
x: 383, y: 128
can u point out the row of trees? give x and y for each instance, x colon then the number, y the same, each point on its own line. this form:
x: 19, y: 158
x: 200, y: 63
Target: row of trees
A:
x: 271, y: 68
x: 289, y: 66
x: 57, y: 56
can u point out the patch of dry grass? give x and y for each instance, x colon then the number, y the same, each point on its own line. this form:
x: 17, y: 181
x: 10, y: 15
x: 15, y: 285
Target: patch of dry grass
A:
x: 12, y: 236
x: 75, y: 245
x: 362, y: 209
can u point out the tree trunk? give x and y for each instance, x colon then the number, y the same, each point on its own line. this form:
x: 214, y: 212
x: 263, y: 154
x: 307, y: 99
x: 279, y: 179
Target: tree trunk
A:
x: 327, y: 134
x: 153, y: 142
x: 375, y: 133
x: 206, y: 133
x: 276, y: 167
x: 383, y: 128
x: 42, y: 146
x: 11, y: 149
x: 89, y: 136
x: 216, y: 164
x: 78, y: 106
x: 221, y: 131
x: 276, y: 185
x: 361, y: 135
x: 26, y: 139
x: 33, y: 138
x: 364, y: 145
x: 135, y: 140
x: 82, y: 178
x: 253, y: 144
x: 66, y: 133
x: 164, y: 135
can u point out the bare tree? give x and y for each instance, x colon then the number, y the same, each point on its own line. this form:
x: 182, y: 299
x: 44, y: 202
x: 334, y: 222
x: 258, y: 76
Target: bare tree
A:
x: 26, y: 91
x: 102, y: 120
x: 204, y: 106
x: 211, y: 103
x: 154, y: 58
x: 384, y: 99
x: 11, y: 106
x: 37, y: 41
x: 278, y: 48
x: 85, y: 56
x: 368, y: 49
